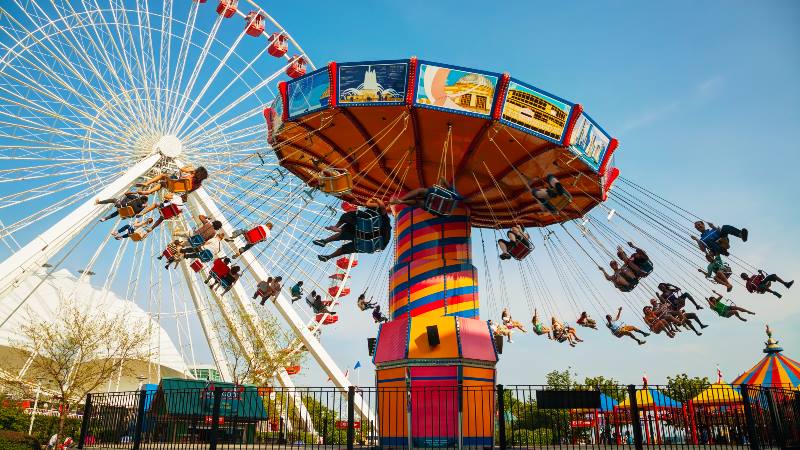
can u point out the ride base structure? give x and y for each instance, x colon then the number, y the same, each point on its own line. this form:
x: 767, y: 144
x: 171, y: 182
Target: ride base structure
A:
x: 382, y: 129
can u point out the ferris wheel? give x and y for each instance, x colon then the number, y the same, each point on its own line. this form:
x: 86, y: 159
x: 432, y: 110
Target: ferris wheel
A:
x: 97, y: 96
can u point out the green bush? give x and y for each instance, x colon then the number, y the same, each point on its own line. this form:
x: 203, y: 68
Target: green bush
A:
x: 539, y: 436
x: 15, y: 440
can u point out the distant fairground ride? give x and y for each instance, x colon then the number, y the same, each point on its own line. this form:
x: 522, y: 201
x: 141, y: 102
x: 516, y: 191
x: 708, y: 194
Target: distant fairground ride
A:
x: 451, y: 149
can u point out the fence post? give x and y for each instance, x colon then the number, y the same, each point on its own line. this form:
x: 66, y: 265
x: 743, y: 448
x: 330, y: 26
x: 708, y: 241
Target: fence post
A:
x: 501, y: 417
x: 212, y: 441
x: 87, y: 412
x: 351, y: 431
x: 137, y: 433
x: 281, y: 434
x: 774, y: 414
x: 748, y: 418
x: 638, y: 441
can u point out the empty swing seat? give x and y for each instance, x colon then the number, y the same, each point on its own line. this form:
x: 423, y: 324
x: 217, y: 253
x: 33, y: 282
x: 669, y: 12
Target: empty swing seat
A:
x: 170, y: 211
x: 179, y: 185
x: 368, y: 231
x: 126, y: 212
x: 196, y: 240
x: 520, y: 249
x: 196, y: 265
x: 336, y: 182
x: 205, y: 255
x: 256, y: 235
x: 440, y: 201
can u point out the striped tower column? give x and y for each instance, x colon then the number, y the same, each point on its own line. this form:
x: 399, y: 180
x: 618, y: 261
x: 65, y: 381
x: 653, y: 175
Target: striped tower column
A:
x: 435, y: 358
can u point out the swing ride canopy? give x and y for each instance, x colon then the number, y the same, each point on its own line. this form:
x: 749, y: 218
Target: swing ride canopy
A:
x: 404, y: 124
x: 649, y: 398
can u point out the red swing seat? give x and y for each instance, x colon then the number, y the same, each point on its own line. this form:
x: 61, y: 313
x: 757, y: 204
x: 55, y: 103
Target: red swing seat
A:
x: 219, y: 269
x: 167, y: 253
x: 196, y: 265
x: 170, y: 211
x: 520, y: 249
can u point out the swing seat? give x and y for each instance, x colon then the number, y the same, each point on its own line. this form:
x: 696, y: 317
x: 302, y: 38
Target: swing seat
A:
x: 205, y: 255
x: 344, y: 261
x: 334, y: 289
x: 256, y: 235
x: 170, y: 211
x: 136, y: 236
x: 179, y: 185
x: 126, y: 212
x: 196, y: 240
x: 226, y: 8
x: 337, y: 183
x: 368, y: 245
x: 349, y: 207
x: 367, y: 234
x: 440, y: 201
x: 196, y: 265
x: 556, y: 204
x: 292, y: 370
x: 520, y: 249
x: 331, y: 319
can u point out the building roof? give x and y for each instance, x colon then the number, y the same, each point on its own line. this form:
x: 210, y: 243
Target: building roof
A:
x: 45, y: 301
x: 774, y: 369
x: 182, y: 397
x: 719, y: 393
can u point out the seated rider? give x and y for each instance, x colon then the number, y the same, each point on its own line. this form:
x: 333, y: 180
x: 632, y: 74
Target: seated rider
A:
x: 174, y: 249
x: 418, y: 197
x: 619, y: 329
x: 515, y: 233
x: 718, y: 270
x: 714, y: 240
x: 137, y: 227
x: 760, y: 283
x: 638, y: 261
x: 268, y: 289
x: 669, y: 292
x: 296, y: 291
x: 656, y: 324
x: 135, y: 201
x: 157, y: 182
x: 231, y: 278
x: 622, y: 277
x: 207, y: 229
x: 377, y: 315
x: 363, y: 304
x: 585, y: 321
x: 539, y: 328
x: 511, y: 323
x: 249, y: 245
x: 345, y: 230
x: 501, y: 330
x: 169, y: 199
x: 719, y: 307
x: 564, y: 333
x: 545, y: 196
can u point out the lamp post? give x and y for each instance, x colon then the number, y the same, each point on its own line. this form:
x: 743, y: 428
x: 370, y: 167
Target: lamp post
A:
x: 141, y: 379
x: 35, y: 403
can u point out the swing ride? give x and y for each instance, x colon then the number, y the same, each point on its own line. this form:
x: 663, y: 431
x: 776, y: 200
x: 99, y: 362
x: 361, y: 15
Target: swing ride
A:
x: 408, y: 162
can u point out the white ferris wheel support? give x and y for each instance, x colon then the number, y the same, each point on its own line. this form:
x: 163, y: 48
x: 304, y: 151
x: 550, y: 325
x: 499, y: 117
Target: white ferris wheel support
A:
x: 283, y: 305
x: 32, y: 256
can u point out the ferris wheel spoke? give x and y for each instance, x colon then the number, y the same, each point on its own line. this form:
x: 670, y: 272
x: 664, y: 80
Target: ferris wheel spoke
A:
x: 180, y: 62
x: 187, y: 91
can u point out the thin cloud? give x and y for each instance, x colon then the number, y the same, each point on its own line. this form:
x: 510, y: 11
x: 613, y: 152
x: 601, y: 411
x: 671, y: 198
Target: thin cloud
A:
x: 703, y: 91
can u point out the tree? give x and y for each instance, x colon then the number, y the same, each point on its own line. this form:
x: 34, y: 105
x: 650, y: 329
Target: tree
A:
x: 608, y: 386
x: 81, y: 351
x: 260, y: 366
x: 562, y: 379
x: 683, y: 388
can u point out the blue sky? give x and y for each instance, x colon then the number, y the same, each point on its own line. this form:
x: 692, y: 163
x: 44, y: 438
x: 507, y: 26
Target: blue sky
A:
x: 703, y: 97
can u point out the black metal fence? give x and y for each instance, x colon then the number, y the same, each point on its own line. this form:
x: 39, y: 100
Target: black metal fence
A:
x: 454, y: 417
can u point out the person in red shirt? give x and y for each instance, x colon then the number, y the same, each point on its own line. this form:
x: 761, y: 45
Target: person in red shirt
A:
x: 760, y: 283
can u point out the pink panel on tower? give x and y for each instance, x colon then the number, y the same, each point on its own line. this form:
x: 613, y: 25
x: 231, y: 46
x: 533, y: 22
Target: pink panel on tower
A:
x: 392, y: 340
x: 476, y: 341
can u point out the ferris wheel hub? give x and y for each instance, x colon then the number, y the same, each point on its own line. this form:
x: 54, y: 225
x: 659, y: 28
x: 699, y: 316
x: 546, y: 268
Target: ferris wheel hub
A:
x: 169, y: 146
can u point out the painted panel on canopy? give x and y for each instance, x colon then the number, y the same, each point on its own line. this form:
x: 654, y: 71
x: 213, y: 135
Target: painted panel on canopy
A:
x: 589, y: 141
x: 476, y: 340
x: 372, y: 82
x: 457, y: 89
x: 309, y: 93
x: 392, y: 341
x: 535, y: 111
x: 418, y: 347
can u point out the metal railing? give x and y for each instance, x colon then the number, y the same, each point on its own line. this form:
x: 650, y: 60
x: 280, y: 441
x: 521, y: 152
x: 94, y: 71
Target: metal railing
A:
x: 445, y: 417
